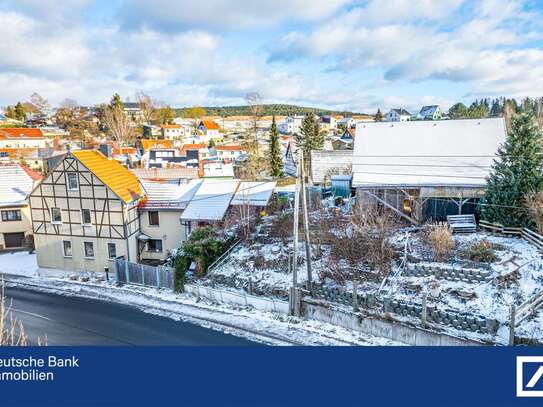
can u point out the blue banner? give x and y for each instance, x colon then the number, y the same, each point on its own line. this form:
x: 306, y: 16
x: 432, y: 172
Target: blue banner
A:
x: 269, y: 377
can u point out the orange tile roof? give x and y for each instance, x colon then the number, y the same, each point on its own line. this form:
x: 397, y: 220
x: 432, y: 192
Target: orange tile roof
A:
x: 210, y: 125
x: 121, y: 181
x: 171, y: 126
x: 21, y: 132
x: 228, y: 148
x: 148, y: 144
x: 20, y: 152
x: 124, y: 150
x: 197, y: 146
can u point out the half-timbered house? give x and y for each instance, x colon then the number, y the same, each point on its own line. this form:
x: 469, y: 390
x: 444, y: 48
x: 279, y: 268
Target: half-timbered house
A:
x: 85, y: 212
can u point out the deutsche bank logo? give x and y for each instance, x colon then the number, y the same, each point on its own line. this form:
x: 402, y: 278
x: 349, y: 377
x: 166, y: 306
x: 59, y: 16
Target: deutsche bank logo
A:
x: 529, y: 376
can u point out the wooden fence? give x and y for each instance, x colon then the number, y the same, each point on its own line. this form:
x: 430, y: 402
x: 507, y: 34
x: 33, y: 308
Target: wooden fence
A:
x: 142, y: 274
x: 525, y: 233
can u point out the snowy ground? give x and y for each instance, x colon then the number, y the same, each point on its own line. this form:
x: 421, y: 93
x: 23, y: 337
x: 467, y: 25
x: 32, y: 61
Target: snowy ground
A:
x: 20, y: 269
x: 264, y: 263
x: 489, y: 299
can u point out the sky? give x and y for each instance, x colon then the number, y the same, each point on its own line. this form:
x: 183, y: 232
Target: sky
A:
x: 338, y: 54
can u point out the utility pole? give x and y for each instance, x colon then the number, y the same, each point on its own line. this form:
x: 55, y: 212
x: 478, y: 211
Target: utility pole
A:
x: 295, y: 308
x: 306, y: 229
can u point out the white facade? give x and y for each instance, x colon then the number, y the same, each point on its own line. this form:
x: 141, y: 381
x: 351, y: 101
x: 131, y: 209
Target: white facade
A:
x: 291, y: 124
x: 398, y: 115
x: 79, y: 223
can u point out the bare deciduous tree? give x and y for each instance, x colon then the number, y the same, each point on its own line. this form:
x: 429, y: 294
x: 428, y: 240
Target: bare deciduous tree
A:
x: 118, y: 125
x: 146, y: 105
x: 41, y: 103
x: 254, y: 101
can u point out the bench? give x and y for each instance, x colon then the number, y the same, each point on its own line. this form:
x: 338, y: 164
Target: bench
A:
x: 462, y: 223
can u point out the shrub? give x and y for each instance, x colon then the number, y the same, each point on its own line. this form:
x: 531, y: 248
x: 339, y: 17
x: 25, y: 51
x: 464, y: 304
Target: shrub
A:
x: 204, y: 246
x: 482, y: 251
x: 440, y: 239
x: 182, y: 263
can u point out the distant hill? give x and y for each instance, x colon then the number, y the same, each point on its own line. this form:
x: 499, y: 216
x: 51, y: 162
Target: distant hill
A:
x: 267, y: 110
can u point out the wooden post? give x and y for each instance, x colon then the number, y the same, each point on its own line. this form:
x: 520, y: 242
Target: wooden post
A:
x: 298, y: 301
x: 295, y: 243
x: 306, y: 231
x: 355, y: 295
x: 512, y: 326
x: 424, y: 314
x: 158, y: 277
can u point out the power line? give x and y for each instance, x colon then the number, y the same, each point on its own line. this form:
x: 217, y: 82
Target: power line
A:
x: 419, y: 175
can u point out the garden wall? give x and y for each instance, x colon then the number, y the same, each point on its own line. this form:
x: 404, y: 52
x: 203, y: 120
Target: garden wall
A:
x: 392, y: 330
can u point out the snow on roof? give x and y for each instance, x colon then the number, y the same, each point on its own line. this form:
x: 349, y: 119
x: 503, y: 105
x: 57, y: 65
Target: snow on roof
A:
x: 211, y: 200
x: 428, y: 110
x: 164, y: 195
x: 402, y: 112
x: 254, y: 193
x: 165, y: 173
x: 15, y: 185
x: 324, y: 163
x: 426, y: 153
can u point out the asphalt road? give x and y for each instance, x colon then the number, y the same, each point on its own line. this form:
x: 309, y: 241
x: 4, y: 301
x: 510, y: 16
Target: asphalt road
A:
x: 81, y: 321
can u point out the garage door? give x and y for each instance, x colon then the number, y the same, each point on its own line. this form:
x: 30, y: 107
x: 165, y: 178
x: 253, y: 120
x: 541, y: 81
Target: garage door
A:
x: 14, y: 239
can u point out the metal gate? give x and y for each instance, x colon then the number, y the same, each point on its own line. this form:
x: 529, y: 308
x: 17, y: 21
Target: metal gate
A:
x: 142, y: 274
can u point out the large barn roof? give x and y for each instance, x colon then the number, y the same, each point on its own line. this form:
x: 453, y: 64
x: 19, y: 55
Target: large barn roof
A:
x: 426, y: 153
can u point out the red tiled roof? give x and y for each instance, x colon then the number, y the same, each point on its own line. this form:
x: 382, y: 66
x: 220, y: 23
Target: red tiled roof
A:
x: 210, y: 125
x: 21, y: 132
x: 31, y: 173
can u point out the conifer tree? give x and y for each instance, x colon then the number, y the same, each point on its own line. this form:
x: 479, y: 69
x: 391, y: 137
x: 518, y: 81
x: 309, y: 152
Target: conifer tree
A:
x: 378, y: 116
x: 19, y: 111
x: 116, y: 101
x: 276, y: 164
x: 310, y: 138
x: 516, y: 172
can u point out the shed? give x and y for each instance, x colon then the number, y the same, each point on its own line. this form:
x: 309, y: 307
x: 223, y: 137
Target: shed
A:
x: 406, y: 165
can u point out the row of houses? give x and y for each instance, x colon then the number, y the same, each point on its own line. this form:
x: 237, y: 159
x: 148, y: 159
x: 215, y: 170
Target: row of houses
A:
x: 185, y: 131
x: 90, y: 209
x: 431, y: 112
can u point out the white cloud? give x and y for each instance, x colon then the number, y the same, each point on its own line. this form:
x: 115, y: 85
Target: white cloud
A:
x: 175, y: 15
x: 487, y: 45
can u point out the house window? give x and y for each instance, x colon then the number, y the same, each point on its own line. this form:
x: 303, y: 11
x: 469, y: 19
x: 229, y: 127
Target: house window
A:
x: 86, y: 217
x: 10, y: 216
x: 89, y: 249
x: 154, y: 245
x: 56, y: 215
x: 73, y: 183
x: 111, y: 250
x: 67, y: 248
x: 153, y: 218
